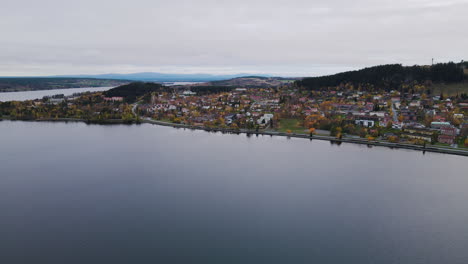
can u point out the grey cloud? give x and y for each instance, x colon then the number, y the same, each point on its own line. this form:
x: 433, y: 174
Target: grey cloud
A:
x: 283, y: 37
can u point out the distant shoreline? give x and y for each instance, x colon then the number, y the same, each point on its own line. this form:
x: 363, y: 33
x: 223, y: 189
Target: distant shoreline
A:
x: 22, y: 96
x: 51, y: 89
x: 428, y: 148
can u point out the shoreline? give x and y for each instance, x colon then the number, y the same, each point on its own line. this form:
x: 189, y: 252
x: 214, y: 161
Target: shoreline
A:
x: 326, y: 138
x: 66, y: 120
x: 429, y: 148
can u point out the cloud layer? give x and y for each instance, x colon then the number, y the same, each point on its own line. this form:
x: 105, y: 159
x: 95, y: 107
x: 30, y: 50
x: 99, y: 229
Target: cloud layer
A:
x: 293, y: 37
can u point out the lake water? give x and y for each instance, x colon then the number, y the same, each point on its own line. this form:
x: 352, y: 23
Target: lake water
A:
x: 31, y: 95
x: 77, y: 193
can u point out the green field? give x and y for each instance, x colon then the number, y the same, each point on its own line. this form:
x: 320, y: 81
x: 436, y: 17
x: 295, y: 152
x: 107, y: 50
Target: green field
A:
x: 450, y: 89
x: 291, y: 124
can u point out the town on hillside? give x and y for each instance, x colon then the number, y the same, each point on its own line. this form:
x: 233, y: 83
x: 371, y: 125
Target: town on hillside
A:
x: 413, y: 114
x: 415, y: 117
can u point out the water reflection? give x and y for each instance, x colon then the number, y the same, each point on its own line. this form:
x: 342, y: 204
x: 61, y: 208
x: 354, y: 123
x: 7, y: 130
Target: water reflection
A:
x: 77, y: 193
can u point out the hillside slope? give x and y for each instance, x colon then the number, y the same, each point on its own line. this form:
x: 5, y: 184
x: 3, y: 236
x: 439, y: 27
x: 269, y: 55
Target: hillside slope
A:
x: 391, y: 77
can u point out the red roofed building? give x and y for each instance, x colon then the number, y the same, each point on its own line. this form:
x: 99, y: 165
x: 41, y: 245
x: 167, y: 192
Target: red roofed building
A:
x: 446, y: 139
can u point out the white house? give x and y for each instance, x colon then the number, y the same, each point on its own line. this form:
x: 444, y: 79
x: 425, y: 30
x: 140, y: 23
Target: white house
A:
x: 265, y: 119
x: 241, y: 89
x: 365, y: 122
x: 189, y: 93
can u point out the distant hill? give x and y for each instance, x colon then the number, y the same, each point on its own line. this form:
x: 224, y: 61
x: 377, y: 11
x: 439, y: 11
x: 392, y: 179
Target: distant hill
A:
x: 14, y: 84
x: 161, y: 77
x: 392, y: 76
x: 254, y: 81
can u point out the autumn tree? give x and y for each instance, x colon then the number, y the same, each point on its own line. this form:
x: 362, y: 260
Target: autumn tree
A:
x: 311, y: 131
x: 401, y: 118
x: 234, y: 126
x: 389, y: 124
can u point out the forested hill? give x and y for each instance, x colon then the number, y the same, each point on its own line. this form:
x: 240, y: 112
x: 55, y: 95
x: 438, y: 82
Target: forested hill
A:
x: 130, y: 92
x: 390, y: 77
x: 13, y: 84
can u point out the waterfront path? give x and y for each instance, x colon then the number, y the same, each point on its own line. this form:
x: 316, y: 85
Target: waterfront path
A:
x: 454, y: 151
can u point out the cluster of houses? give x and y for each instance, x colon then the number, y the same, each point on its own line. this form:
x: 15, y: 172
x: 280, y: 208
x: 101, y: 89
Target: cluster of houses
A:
x: 434, y: 119
x: 415, y: 115
x: 113, y: 99
x: 443, y: 132
x: 60, y: 98
x: 241, y: 107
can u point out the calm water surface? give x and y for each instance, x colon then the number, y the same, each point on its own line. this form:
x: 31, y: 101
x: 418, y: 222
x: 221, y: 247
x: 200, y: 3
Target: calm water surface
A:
x: 31, y: 95
x: 77, y: 193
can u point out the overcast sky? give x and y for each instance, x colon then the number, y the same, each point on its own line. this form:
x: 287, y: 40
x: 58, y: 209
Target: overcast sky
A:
x: 288, y: 38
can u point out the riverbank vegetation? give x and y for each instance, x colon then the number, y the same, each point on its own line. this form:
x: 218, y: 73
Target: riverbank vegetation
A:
x: 89, y: 107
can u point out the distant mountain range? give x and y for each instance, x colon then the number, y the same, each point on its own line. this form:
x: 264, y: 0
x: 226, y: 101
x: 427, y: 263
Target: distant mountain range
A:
x: 160, y: 77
